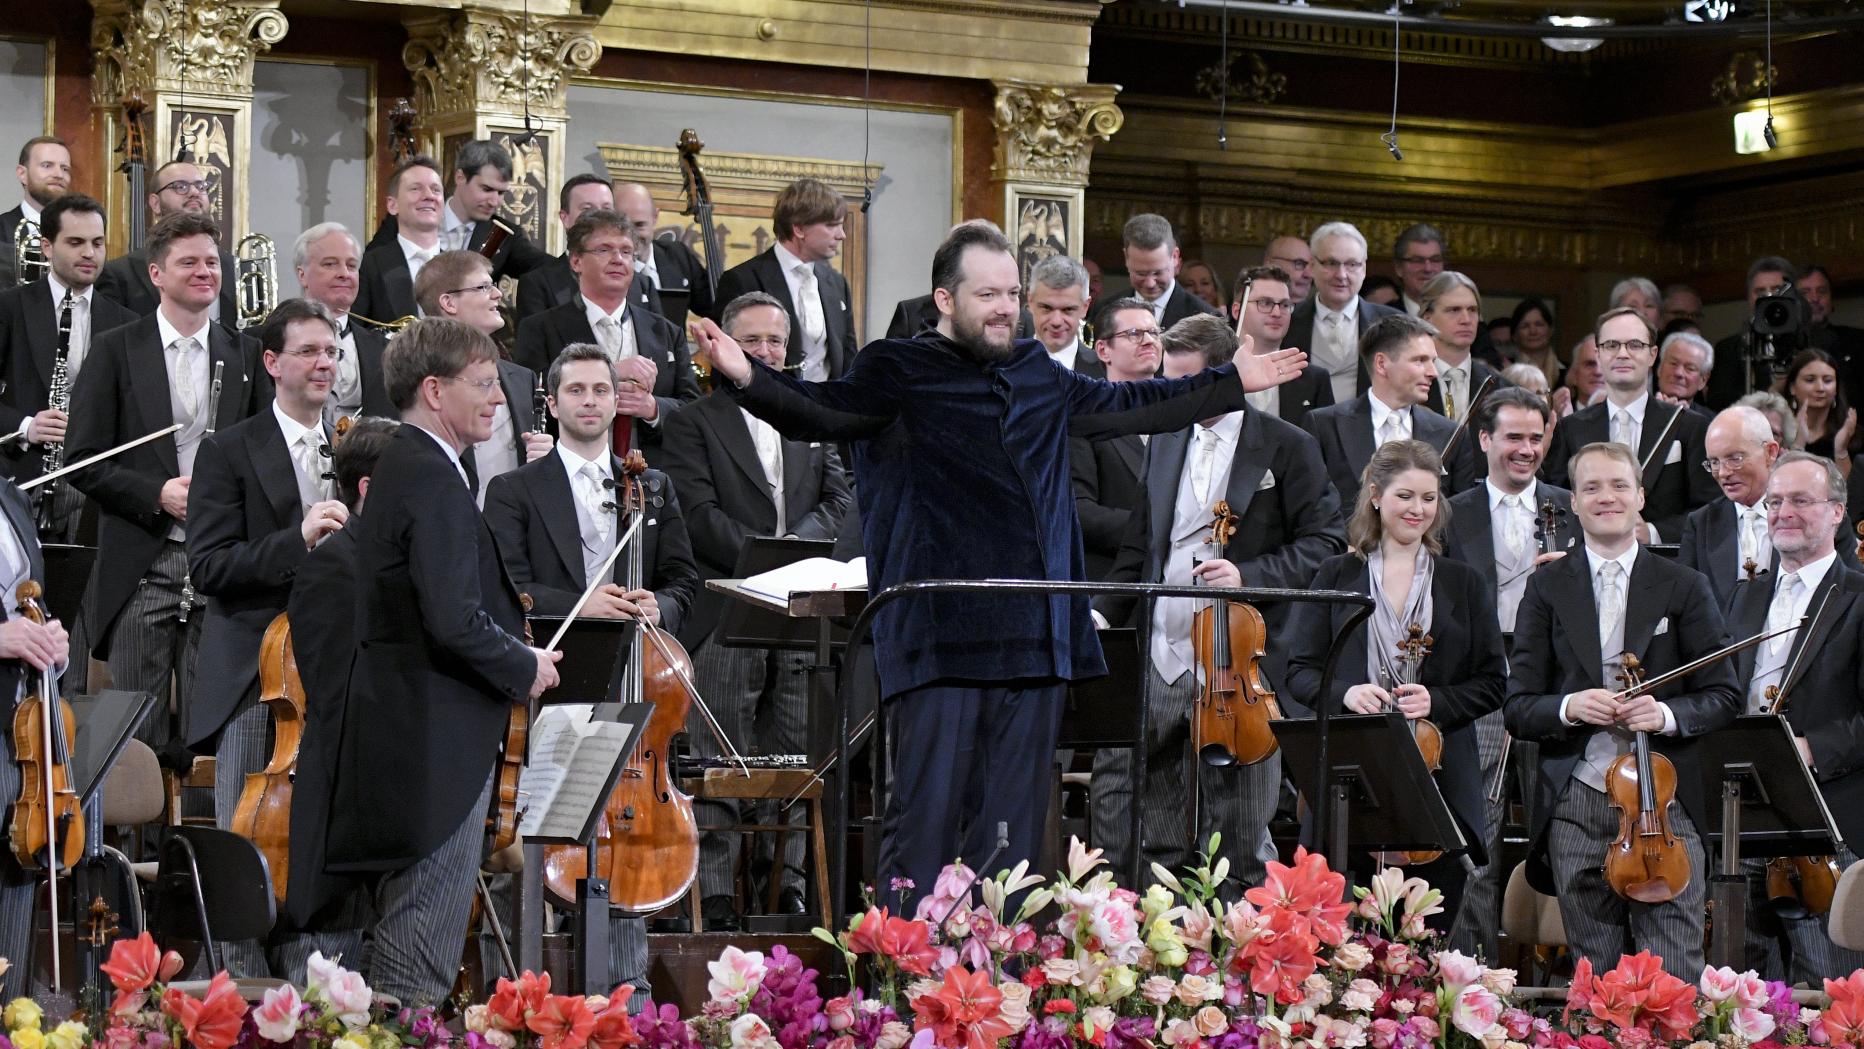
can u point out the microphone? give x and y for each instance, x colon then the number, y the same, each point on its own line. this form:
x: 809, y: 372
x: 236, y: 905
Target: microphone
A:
x: 1391, y: 145
x: 1003, y: 842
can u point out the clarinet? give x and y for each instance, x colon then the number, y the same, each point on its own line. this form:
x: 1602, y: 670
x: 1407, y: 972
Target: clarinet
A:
x: 58, y: 399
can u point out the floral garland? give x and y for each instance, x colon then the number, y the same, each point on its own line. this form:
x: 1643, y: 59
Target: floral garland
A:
x: 1293, y: 964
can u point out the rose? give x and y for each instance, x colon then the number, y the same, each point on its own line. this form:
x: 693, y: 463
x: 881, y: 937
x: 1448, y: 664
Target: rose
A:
x: 351, y: 1041
x: 28, y: 1038
x: 22, y: 1013
x: 1181, y: 1033
x: 1360, y: 996
x: 1352, y: 956
x: 277, y: 1015
x: 496, y: 1038
x: 1062, y: 971
x: 477, y: 1018
x: 1121, y: 981
x: 1475, y: 1011
x: 751, y: 1032
x: 1196, y: 990
x: 1500, y: 981
x: 1457, y: 970
x: 840, y: 1013
x: 1158, y: 989
x: 893, y: 1035
x: 1015, y: 1007
x: 1397, y: 958
x: 1210, y: 1021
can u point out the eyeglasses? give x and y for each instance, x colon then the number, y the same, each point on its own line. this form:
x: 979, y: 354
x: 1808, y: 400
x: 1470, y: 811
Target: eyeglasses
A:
x: 1297, y: 265
x: 1799, y: 503
x: 185, y: 187
x: 1613, y: 347
x: 762, y: 340
x: 1730, y: 463
x: 1422, y: 260
x: 1137, y: 335
x: 1271, y: 305
x: 1349, y: 265
x: 605, y: 252
x: 482, y: 385
x: 333, y: 353
x: 488, y: 288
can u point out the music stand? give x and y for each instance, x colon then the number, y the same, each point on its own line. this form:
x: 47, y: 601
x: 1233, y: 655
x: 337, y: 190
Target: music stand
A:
x: 1382, y: 794
x: 67, y: 573
x: 1771, y: 806
x: 744, y: 625
x: 104, y: 725
x: 1100, y: 714
x: 1670, y: 551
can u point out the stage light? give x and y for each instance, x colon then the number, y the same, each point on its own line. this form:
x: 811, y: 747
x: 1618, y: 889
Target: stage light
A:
x: 1570, y: 43
x: 1752, y: 134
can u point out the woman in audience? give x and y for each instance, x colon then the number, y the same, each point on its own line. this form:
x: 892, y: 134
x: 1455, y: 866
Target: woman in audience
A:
x: 1818, y: 401
x: 1425, y: 605
x: 1383, y: 291
x: 1200, y: 280
x: 1533, y: 338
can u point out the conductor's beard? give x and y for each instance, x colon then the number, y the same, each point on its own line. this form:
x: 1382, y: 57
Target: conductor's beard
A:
x: 982, y: 341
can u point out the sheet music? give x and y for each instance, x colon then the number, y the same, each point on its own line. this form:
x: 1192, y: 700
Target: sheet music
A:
x: 809, y: 574
x: 571, y: 757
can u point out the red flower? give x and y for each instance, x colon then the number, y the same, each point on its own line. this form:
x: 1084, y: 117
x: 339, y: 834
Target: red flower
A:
x: 614, y: 1029
x: 211, y: 1022
x: 512, y: 1004
x: 1308, y: 891
x: 1638, y: 994
x: 905, y: 943
x: 564, y: 1022
x: 1579, y: 993
x: 1057, y: 1005
x: 964, y: 1013
x: 135, y: 964
x: 1280, y: 961
x: 1844, y: 1021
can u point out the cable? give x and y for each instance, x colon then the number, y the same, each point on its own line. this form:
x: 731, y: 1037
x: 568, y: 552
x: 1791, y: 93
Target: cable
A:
x: 1223, y: 74
x: 1390, y: 138
x: 867, y: 107
x: 1766, y: 131
x: 530, y: 133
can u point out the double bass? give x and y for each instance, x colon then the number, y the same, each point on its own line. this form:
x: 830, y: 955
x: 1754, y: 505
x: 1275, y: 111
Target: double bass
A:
x: 47, y: 831
x: 263, y: 815
x: 1230, y: 720
x: 646, y: 840
x: 699, y: 206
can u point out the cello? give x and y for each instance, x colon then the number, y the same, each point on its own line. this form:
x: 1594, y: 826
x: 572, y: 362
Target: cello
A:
x: 47, y: 830
x: 263, y: 815
x: 646, y: 840
x: 1646, y: 862
x: 699, y: 206
x: 1230, y: 721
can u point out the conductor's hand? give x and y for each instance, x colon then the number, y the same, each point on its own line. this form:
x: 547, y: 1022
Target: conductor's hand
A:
x: 546, y: 671
x: 174, y: 498
x: 1641, y: 714
x: 41, y: 645
x: 1269, y: 369
x: 1368, y: 699
x: 47, y: 427
x: 608, y: 602
x: 1594, y: 706
x: 726, y: 356
x: 1413, y: 701
x: 321, y: 520
x: 1218, y: 572
x: 537, y: 444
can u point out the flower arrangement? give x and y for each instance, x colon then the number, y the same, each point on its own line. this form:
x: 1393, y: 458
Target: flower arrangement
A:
x: 1294, y: 963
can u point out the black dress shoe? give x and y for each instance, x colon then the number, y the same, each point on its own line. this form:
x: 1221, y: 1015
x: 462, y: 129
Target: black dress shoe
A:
x: 721, y: 914
x: 790, y: 901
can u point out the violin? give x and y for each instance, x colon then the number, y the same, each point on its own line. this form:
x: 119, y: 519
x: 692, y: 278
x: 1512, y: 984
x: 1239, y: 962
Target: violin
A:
x: 263, y: 815
x: 47, y: 831
x: 699, y: 206
x: 646, y: 840
x: 1646, y: 862
x: 1424, y: 732
x: 502, y: 822
x: 1230, y: 721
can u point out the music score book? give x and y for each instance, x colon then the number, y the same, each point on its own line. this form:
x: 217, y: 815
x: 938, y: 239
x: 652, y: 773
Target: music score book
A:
x: 809, y: 574
x: 577, y: 751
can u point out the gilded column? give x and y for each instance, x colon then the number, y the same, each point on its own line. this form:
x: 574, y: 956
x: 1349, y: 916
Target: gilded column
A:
x: 191, y: 63
x: 492, y: 74
x: 1045, y: 139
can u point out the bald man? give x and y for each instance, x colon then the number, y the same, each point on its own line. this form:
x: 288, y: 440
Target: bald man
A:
x: 673, y: 269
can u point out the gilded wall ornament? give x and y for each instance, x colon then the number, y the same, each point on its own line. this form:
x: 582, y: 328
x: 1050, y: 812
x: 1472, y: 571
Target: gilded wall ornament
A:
x: 1745, y: 78
x: 478, y: 58
x: 1046, y: 132
x: 205, y: 47
x: 1256, y: 84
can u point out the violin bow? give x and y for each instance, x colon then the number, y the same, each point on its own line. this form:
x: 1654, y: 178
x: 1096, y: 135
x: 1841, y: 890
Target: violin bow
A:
x: 657, y: 637
x: 1799, y: 658
x: 867, y: 723
x: 1662, y: 439
x: 1694, y: 665
x: 1449, y: 446
x: 98, y: 458
x: 595, y: 583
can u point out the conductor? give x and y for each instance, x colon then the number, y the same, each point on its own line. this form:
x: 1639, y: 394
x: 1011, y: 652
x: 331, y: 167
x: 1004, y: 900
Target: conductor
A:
x: 960, y: 452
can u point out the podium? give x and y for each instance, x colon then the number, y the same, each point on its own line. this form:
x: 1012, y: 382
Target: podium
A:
x: 1381, y: 794
x: 1770, y: 806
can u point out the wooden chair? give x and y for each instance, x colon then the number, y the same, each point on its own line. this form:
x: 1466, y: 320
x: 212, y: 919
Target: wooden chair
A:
x: 1531, y: 923
x: 767, y: 785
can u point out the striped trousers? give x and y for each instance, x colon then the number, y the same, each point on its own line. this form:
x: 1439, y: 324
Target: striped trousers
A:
x: 17, y: 888
x: 1795, y: 950
x: 760, y: 697
x: 422, y: 913
x: 150, y: 647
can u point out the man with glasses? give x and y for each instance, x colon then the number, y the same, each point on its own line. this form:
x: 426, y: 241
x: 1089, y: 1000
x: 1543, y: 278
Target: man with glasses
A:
x: 1292, y: 256
x: 1417, y: 258
x: 1271, y: 304
x: 260, y: 502
x: 1669, y: 450
x: 385, y: 284
x: 459, y: 284
x: 1106, y: 471
x: 1817, y: 672
x: 1767, y: 275
x: 1152, y: 262
x: 179, y: 188
x: 1330, y: 324
x: 1727, y: 540
x: 142, y: 612
x: 649, y: 352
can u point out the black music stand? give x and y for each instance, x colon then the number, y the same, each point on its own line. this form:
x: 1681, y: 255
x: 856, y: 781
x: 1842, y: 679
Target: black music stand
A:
x: 595, y: 655
x: 104, y: 725
x: 1382, y: 794
x: 1771, y: 806
x: 67, y: 572
x: 1109, y: 713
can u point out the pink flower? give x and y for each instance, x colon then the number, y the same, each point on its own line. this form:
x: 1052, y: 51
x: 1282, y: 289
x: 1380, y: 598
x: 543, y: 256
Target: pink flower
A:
x: 277, y: 1015
x: 1352, y: 956
x: 751, y: 1032
x: 841, y: 1042
x: 1457, y: 970
x: 1397, y: 959
x: 1158, y: 989
x: 1750, y: 1025
x: 1210, y: 1021
x: 344, y: 991
x: 735, y: 975
x: 893, y: 1035
x: 840, y: 1013
x: 1476, y: 1010
x: 1360, y: 996
x: 1718, y: 983
x: 1114, y: 928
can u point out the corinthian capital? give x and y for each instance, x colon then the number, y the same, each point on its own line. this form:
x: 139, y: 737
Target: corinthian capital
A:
x: 490, y: 60
x: 1046, y: 132
x: 203, y: 47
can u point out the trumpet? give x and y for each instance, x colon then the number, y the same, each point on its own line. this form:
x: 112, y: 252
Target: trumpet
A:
x: 29, y: 263
x: 393, y: 327
x: 257, y: 280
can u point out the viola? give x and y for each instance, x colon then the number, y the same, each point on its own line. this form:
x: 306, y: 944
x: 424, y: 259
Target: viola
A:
x: 699, y: 206
x: 1230, y: 721
x: 646, y: 840
x: 47, y: 831
x: 1646, y: 862
x: 1546, y: 541
x: 501, y: 823
x: 1424, y: 732
x: 263, y: 815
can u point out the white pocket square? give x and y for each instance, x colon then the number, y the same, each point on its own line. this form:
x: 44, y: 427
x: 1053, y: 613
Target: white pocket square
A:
x: 1267, y: 482
x: 1663, y: 627
x: 1675, y: 454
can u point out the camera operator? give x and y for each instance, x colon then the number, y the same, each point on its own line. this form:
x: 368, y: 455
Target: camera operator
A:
x: 1777, y: 324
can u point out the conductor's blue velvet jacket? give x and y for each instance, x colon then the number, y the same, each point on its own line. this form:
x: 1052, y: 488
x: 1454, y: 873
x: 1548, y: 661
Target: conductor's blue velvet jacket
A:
x: 961, y: 470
